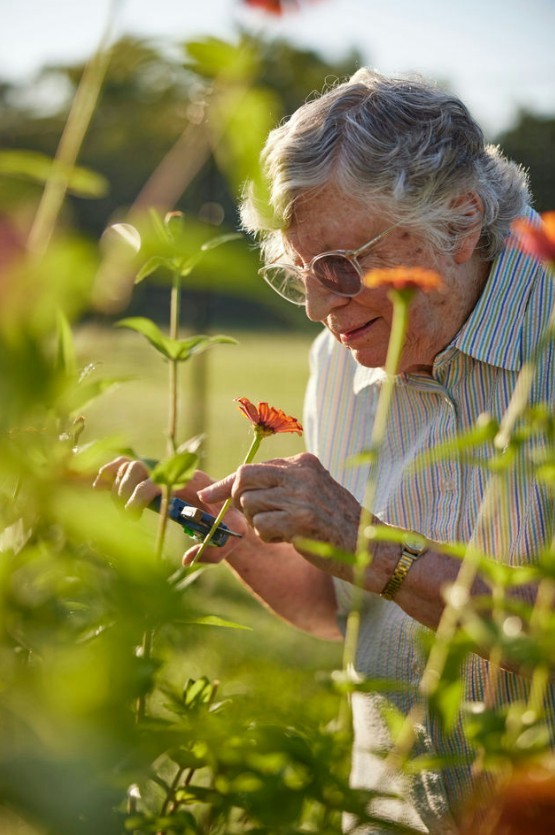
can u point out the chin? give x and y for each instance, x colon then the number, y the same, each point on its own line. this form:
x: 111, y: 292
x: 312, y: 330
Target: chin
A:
x: 369, y: 357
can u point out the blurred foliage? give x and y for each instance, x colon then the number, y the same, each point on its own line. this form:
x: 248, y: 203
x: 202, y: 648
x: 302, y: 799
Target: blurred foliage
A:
x: 149, y: 99
x: 108, y: 723
x: 105, y: 723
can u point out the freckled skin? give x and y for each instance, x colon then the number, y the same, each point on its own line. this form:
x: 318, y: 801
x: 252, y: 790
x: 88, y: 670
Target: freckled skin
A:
x: 330, y: 221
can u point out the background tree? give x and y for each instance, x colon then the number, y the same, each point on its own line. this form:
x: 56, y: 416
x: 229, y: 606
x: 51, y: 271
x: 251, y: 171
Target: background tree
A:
x: 531, y: 142
x: 150, y: 96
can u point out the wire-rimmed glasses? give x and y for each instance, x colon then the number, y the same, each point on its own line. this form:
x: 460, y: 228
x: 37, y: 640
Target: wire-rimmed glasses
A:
x: 337, y: 270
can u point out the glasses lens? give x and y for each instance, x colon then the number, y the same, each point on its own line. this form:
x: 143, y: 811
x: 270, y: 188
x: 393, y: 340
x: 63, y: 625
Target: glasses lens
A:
x: 287, y: 283
x: 338, y: 274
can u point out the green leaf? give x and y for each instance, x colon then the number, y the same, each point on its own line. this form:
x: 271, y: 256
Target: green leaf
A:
x: 365, y: 456
x: 176, y: 470
x: 85, y: 393
x: 66, y: 358
x: 151, y: 266
x: 245, y: 116
x: 214, y: 620
x: 183, y: 349
x: 325, y: 550
x: 149, y: 330
x: 394, y: 719
x: 483, y: 432
x: 213, y: 58
x: 173, y: 349
x: 200, y: 691
x: 345, y: 682
x: 31, y: 165
x: 508, y: 576
x: 186, y: 266
x: 89, y: 457
x: 219, y: 240
x: 447, y: 701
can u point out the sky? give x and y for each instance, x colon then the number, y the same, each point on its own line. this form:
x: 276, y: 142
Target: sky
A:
x: 498, y: 55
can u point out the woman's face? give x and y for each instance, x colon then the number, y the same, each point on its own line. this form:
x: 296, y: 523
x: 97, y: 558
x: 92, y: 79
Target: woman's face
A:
x: 362, y: 324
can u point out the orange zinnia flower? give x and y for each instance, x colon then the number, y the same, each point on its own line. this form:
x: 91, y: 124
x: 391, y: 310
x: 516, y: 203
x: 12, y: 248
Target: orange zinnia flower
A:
x: 402, y: 278
x: 537, y: 240
x: 277, y: 7
x: 266, y: 420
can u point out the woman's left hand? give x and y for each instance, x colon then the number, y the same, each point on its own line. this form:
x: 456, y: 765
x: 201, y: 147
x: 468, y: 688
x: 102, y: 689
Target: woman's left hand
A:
x: 289, y: 498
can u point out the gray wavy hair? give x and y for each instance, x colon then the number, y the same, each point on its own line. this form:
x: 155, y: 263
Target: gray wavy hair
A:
x: 396, y: 145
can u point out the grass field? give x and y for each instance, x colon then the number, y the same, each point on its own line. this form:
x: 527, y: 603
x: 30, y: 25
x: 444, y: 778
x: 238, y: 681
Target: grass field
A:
x: 272, y: 368
x: 261, y: 367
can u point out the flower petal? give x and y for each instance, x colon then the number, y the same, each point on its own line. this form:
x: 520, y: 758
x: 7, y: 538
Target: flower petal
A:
x: 537, y: 240
x: 249, y: 409
x: 267, y: 419
x: 402, y: 277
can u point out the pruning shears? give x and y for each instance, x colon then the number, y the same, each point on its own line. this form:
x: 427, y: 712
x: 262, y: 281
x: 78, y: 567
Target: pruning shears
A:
x: 194, y: 521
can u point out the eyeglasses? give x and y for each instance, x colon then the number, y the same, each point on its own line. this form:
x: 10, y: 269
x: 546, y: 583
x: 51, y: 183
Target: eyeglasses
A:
x: 338, y: 271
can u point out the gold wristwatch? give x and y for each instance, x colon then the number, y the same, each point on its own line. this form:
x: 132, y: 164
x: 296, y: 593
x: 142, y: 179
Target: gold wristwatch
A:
x: 413, y: 546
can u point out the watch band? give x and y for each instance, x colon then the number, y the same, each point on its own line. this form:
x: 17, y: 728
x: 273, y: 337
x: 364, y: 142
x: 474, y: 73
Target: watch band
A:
x: 414, y: 546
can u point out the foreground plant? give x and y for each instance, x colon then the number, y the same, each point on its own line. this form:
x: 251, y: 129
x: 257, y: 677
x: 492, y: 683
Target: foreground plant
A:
x: 538, y: 240
x: 403, y: 284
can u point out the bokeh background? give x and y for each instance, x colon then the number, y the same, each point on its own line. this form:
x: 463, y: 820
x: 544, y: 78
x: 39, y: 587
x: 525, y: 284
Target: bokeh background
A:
x: 498, y: 56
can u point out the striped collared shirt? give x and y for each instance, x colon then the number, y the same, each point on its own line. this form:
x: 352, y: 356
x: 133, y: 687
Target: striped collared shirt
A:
x: 475, y: 374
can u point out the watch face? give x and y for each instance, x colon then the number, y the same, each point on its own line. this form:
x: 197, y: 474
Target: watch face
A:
x: 414, y: 542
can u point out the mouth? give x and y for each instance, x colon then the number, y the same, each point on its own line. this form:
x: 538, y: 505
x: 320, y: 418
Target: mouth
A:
x: 351, y: 337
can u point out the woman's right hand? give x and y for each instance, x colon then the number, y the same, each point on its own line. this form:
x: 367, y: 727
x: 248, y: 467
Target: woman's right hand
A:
x: 129, y: 482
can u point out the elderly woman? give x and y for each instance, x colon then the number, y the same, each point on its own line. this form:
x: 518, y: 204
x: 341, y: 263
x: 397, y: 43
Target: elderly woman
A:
x: 382, y: 172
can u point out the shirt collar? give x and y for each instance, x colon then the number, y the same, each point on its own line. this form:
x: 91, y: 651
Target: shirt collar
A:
x: 493, y: 331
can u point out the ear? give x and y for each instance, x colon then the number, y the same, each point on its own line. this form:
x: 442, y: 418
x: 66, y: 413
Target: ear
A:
x: 470, y: 207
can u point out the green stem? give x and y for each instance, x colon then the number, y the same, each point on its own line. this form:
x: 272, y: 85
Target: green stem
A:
x: 401, y: 302
x: 539, y: 624
x: 256, y: 441
x: 146, y: 652
x: 175, y: 302
x: 173, y: 364
x: 77, y: 124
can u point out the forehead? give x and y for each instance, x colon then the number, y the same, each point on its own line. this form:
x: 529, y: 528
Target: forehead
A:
x: 329, y: 220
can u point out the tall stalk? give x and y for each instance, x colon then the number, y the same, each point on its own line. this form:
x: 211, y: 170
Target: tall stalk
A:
x: 75, y: 129
x: 171, y: 447
x: 363, y: 557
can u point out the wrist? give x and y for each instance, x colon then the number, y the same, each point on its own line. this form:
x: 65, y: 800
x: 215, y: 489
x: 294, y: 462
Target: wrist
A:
x: 411, y: 549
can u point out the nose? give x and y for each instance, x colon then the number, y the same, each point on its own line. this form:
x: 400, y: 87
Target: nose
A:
x: 320, y: 301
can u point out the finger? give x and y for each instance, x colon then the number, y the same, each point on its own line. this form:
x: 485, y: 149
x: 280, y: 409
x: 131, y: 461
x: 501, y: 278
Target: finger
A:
x: 219, y: 491
x: 107, y: 473
x: 128, y: 477
x: 272, y: 526
x: 119, y: 476
x: 210, y: 555
x: 142, y: 495
x: 247, y: 477
x: 251, y: 502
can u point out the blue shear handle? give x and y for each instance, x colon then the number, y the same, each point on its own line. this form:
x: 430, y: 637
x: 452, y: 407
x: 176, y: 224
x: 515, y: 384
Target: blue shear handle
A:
x: 193, y: 520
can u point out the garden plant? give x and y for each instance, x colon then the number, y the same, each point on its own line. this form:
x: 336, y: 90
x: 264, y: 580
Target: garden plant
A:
x: 103, y: 729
